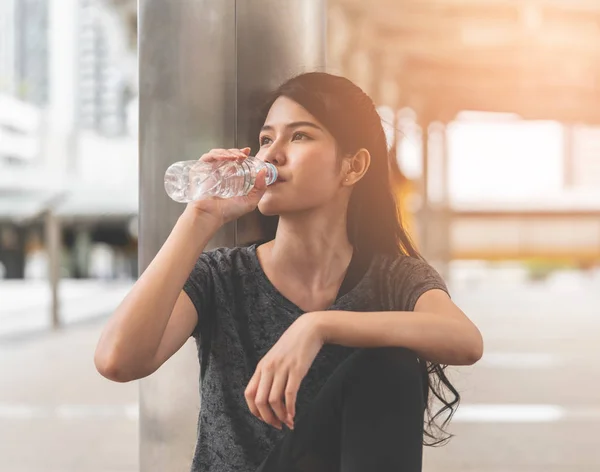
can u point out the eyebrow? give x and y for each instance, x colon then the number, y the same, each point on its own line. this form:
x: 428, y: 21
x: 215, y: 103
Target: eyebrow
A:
x: 295, y: 124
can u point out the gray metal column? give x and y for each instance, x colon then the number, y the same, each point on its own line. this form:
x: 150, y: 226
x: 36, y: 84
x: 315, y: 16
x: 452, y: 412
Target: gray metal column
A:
x: 52, y: 237
x: 204, y: 65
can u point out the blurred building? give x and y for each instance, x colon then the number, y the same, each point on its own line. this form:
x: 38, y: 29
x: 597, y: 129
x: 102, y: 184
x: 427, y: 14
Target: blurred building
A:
x: 68, y: 121
x: 24, y: 49
x: 67, y: 146
x: 104, y: 91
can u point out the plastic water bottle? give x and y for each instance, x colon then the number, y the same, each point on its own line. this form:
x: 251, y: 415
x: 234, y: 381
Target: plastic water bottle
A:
x: 187, y: 181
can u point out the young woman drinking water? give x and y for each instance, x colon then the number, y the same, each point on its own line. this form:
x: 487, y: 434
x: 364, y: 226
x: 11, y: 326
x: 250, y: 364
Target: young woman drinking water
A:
x: 321, y: 348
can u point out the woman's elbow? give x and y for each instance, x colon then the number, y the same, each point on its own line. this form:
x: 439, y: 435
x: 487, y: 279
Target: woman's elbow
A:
x: 476, y: 351
x: 109, y: 367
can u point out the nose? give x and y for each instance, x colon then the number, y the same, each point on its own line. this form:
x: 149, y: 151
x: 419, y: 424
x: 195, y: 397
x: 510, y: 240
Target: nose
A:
x: 275, y: 156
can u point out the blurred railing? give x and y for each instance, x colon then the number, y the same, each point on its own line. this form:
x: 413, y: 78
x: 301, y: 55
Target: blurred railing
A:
x: 500, y: 235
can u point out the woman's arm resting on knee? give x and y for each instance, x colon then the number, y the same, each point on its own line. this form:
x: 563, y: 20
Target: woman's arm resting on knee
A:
x: 437, y: 330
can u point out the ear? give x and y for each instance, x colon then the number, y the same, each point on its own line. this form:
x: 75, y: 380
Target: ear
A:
x: 356, y: 167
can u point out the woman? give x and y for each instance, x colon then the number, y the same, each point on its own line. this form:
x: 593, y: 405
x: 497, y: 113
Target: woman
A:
x: 332, y: 329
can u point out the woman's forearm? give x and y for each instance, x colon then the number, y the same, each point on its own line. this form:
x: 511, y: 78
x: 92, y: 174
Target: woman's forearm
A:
x: 434, y: 337
x: 133, y: 333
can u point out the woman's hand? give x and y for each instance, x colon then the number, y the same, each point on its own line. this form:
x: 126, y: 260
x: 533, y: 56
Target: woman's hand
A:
x: 280, y: 372
x: 224, y: 210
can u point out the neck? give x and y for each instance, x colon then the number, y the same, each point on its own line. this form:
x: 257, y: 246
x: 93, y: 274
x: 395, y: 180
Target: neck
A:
x: 315, y: 244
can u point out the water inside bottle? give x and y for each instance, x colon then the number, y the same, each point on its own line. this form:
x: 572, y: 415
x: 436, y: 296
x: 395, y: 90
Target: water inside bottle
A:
x: 204, y: 181
x: 186, y: 181
x: 192, y: 180
x: 176, y: 181
x: 235, y: 180
x: 225, y: 181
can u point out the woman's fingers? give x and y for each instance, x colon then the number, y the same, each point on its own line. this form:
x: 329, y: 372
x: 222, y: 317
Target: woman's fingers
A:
x: 291, y: 392
x: 224, y: 154
x: 276, y: 396
x: 257, y: 192
x: 250, y: 393
x: 261, y: 181
x: 238, y: 153
x: 262, y: 399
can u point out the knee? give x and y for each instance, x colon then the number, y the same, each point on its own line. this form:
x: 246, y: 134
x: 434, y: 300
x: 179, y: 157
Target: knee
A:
x: 388, y: 364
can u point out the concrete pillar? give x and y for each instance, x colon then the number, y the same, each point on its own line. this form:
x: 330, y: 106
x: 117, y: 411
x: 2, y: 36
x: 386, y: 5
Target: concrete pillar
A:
x: 441, y: 241
x: 434, y: 215
x: 59, y: 145
x: 52, y: 236
x: 424, y: 214
x: 81, y: 252
x: 12, y: 251
x: 59, y: 136
x: 203, y: 66
x: 568, y: 156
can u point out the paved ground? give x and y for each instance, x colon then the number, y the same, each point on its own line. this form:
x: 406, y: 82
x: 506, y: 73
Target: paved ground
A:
x: 24, y: 305
x: 57, y: 414
x: 530, y: 405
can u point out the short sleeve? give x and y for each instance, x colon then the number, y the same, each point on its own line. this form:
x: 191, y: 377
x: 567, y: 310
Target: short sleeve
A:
x: 410, y: 279
x: 200, y: 288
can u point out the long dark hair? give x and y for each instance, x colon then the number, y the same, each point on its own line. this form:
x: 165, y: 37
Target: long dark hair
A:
x: 374, y: 221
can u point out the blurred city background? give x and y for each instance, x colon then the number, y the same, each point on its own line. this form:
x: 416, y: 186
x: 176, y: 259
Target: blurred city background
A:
x: 492, y: 109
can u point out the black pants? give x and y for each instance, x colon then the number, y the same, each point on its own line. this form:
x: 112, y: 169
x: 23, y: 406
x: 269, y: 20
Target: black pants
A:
x: 368, y: 417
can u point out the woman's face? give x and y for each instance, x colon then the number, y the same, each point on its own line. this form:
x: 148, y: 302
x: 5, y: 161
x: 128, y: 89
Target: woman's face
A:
x: 305, y: 155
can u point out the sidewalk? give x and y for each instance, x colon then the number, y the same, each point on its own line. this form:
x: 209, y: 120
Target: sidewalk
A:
x: 530, y: 405
x: 57, y: 414
x: 25, y: 304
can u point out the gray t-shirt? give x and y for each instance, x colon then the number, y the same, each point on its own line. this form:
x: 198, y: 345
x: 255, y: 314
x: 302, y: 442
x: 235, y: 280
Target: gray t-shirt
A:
x: 244, y: 315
